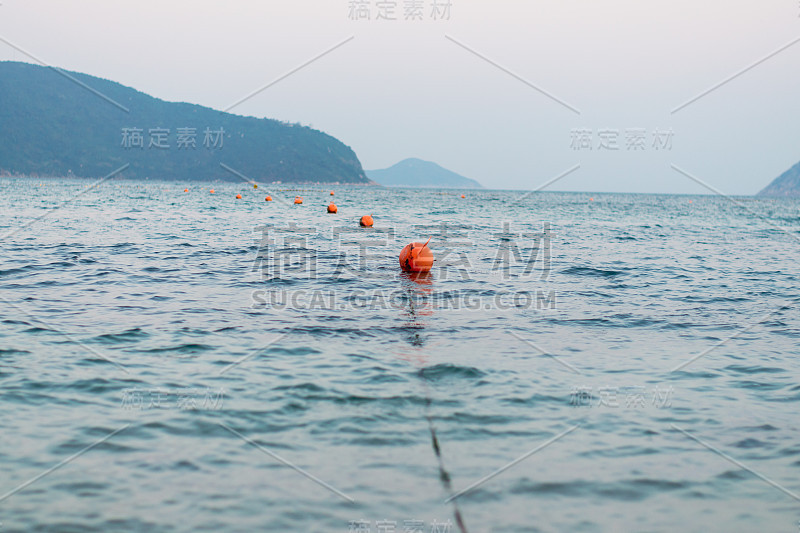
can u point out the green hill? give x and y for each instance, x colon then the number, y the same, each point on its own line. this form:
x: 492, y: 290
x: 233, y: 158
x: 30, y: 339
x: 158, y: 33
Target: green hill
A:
x: 787, y: 184
x: 418, y: 173
x: 57, y: 123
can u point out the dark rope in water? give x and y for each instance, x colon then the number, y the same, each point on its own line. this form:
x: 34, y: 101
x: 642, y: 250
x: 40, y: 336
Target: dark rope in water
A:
x: 444, y: 475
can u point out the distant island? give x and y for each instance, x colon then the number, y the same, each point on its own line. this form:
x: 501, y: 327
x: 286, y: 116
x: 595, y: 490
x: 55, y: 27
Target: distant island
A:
x: 58, y: 124
x: 787, y: 184
x: 418, y: 173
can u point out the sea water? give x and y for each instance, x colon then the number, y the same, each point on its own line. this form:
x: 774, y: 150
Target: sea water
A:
x: 176, y: 361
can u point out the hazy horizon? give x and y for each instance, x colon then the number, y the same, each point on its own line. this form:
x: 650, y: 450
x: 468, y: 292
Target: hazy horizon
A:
x: 395, y: 89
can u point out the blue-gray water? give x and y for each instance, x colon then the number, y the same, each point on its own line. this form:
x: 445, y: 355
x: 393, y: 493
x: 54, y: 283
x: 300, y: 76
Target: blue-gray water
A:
x: 139, y: 309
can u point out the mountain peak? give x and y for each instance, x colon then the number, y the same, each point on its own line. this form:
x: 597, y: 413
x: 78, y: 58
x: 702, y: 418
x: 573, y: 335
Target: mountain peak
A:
x: 415, y: 172
x: 787, y: 184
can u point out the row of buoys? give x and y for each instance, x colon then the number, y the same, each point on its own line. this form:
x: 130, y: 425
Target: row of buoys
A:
x: 415, y: 257
x: 299, y: 199
x: 255, y: 186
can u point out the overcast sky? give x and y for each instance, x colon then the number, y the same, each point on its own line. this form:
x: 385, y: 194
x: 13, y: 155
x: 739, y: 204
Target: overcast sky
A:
x: 615, y: 69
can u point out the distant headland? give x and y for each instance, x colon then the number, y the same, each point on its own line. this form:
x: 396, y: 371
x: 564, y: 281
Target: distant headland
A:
x: 59, y: 124
x: 414, y: 172
x: 787, y: 184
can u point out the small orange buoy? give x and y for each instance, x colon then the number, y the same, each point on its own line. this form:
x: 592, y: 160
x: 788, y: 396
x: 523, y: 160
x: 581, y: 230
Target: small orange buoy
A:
x: 238, y: 196
x: 211, y: 191
x: 591, y: 199
x: 463, y: 196
x: 298, y: 200
x: 366, y: 221
x: 332, y: 208
x: 331, y: 193
x: 268, y: 199
x: 416, y: 257
x: 185, y: 190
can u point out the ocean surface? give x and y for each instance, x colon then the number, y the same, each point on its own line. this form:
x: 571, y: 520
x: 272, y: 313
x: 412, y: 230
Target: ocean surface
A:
x: 187, y: 361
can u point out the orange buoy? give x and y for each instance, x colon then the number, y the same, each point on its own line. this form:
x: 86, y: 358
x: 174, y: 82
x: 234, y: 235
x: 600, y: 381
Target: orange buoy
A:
x: 416, y: 257
x: 298, y: 200
x: 591, y: 199
x: 332, y: 208
x: 185, y: 190
x: 463, y: 196
x: 331, y: 193
x: 211, y: 191
x: 366, y: 221
x: 268, y: 199
x: 238, y: 196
